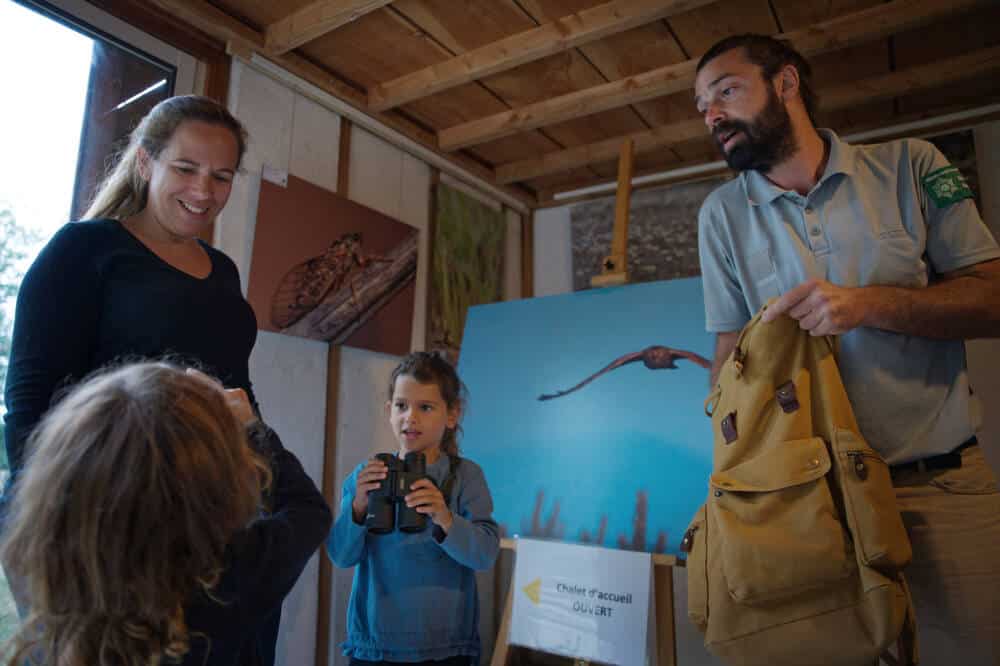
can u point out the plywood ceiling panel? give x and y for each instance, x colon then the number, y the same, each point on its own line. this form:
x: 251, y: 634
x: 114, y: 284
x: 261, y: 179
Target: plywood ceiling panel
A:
x: 698, y: 29
x: 258, y: 14
x: 795, y: 14
x: 561, y: 181
x: 486, y: 21
x: 962, y: 34
x: 621, y: 55
x: 406, y: 36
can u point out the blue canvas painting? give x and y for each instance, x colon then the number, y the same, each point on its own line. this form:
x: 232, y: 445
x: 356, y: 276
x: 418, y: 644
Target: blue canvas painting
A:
x: 586, y: 412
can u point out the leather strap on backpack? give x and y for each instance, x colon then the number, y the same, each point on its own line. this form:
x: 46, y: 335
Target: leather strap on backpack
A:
x: 907, y: 647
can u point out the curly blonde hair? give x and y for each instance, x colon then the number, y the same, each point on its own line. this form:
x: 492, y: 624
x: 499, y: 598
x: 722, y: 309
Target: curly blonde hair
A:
x: 136, y: 481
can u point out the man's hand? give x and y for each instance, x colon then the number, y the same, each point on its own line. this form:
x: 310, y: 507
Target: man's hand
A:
x: 821, y: 308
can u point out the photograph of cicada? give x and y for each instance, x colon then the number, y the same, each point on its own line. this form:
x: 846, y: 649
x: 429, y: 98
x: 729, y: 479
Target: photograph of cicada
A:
x: 327, y: 268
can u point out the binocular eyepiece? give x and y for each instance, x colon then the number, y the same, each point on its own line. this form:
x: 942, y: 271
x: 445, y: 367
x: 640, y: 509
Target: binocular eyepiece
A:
x: 386, y: 505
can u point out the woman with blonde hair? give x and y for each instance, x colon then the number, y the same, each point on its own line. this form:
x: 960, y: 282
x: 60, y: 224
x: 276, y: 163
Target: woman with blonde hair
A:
x: 135, y: 280
x: 134, y: 526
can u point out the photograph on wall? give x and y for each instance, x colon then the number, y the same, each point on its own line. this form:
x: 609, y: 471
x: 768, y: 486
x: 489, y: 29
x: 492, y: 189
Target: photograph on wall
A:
x: 467, y: 245
x: 586, y: 413
x: 662, y: 233
x: 330, y: 269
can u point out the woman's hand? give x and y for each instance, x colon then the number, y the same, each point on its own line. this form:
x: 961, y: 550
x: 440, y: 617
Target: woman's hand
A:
x: 427, y: 499
x: 236, y: 398
x: 369, y: 478
x: 239, y: 405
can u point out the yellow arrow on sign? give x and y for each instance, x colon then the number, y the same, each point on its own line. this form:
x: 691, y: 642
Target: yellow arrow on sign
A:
x: 533, y: 590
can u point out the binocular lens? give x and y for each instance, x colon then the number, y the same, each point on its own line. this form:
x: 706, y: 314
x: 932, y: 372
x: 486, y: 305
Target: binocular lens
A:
x: 382, y: 515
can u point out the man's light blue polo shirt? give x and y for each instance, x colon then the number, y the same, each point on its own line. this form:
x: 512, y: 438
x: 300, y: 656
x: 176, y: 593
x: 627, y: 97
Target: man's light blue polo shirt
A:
x: 868, y: 221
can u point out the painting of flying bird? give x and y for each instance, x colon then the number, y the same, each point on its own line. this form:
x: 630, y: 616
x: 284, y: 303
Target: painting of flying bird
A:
x: 656, y: 357
x: 330, y: 269
x: 622, y: 457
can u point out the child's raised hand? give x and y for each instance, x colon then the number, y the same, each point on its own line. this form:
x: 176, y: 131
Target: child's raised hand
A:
x: 427, y: 499
x: 369, y: 478
x: 236, y: 399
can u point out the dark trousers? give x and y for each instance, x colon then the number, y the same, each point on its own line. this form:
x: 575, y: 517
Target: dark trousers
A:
x: 450, y: 661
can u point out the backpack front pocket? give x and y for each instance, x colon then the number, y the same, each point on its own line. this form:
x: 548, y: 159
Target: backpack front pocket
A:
x: 777, y: 524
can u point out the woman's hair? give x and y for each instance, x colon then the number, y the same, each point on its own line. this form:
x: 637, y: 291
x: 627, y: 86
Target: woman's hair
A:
x: 123, y: 192
x: 431, y: 368
x: 135, y: 483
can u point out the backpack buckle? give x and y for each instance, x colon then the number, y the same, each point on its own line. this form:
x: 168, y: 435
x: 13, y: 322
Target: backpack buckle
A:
x: 787, y: 397
x: 728, y: 426
x: 738, y: 358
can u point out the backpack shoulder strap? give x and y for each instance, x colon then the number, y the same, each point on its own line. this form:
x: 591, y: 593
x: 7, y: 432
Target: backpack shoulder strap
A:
x: 449, y: 481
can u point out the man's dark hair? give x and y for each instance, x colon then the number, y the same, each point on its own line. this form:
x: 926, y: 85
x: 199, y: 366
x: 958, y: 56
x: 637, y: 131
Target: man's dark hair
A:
x: 770, y: 55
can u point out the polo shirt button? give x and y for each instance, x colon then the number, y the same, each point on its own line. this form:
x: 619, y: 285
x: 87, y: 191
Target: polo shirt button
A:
x: 809, y: 210
x: 814, y: 231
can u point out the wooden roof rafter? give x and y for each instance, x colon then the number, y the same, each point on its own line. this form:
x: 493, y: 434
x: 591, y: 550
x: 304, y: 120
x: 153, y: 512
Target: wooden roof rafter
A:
x: 315, y: 20
x: 844, y: 31
x: 564, y: 33
x: 886, y: 86
x: 244, y: 40
x: 942, y: 119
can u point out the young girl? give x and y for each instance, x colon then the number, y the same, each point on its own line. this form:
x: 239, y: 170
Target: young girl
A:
x: 134, y: 528
x: 414, y: 594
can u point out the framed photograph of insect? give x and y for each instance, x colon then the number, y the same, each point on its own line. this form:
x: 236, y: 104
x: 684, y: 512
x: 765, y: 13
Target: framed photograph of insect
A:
x: 327, y: 268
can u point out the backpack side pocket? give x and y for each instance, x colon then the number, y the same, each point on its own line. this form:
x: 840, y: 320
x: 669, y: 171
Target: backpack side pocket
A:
x: 694, y: 545
x: 873, y: 516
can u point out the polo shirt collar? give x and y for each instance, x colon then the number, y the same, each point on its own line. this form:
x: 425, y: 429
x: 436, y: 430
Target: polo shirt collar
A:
x: 759, y: 190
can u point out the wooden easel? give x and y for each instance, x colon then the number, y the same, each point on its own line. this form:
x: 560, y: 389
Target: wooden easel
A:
x: 662, y: 623
x: 614, y: 268
x: 614, y: 271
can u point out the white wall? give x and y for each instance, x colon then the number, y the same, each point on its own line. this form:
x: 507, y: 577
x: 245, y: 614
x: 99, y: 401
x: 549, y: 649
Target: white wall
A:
x: 277, y: 363
x: 362, y: 431
x: 553, y: 258
x: 396, y: 184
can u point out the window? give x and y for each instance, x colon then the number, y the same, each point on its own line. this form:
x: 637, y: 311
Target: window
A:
x: 75, y: 82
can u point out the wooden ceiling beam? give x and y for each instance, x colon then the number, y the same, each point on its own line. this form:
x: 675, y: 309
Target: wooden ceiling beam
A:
x: 243, y: 40
x: 844, y: 31
x: 941, y: 121
x: 544, y: 40
x: 873, y: 89
x: 214, y: 21
x: 314, y: 21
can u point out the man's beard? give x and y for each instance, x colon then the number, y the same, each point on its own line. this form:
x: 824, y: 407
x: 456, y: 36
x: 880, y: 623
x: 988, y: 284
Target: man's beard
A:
x: 767, y: 138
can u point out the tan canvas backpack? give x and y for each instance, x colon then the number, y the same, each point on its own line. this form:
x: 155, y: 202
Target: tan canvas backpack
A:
x: 795, y: 559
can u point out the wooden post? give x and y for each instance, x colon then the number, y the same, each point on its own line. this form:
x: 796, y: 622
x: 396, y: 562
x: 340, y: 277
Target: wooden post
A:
x: 329, y: 483
x: 662, y: 623
x: 614, y: 268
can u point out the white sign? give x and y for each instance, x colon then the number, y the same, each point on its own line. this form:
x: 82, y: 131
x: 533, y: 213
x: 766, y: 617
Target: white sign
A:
x: 582, y: 601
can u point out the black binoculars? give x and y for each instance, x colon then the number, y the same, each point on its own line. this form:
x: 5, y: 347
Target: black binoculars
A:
x: 386, y: 506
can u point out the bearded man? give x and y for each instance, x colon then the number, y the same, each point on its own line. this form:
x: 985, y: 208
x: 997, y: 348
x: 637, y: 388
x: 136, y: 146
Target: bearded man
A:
x: 882, y: 246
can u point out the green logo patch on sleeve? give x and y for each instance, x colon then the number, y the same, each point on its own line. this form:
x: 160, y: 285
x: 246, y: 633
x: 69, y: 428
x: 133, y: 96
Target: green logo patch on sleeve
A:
x: 946, y: 185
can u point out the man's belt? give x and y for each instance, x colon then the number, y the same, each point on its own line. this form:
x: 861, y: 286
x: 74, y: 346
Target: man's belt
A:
x: 949, y: 460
